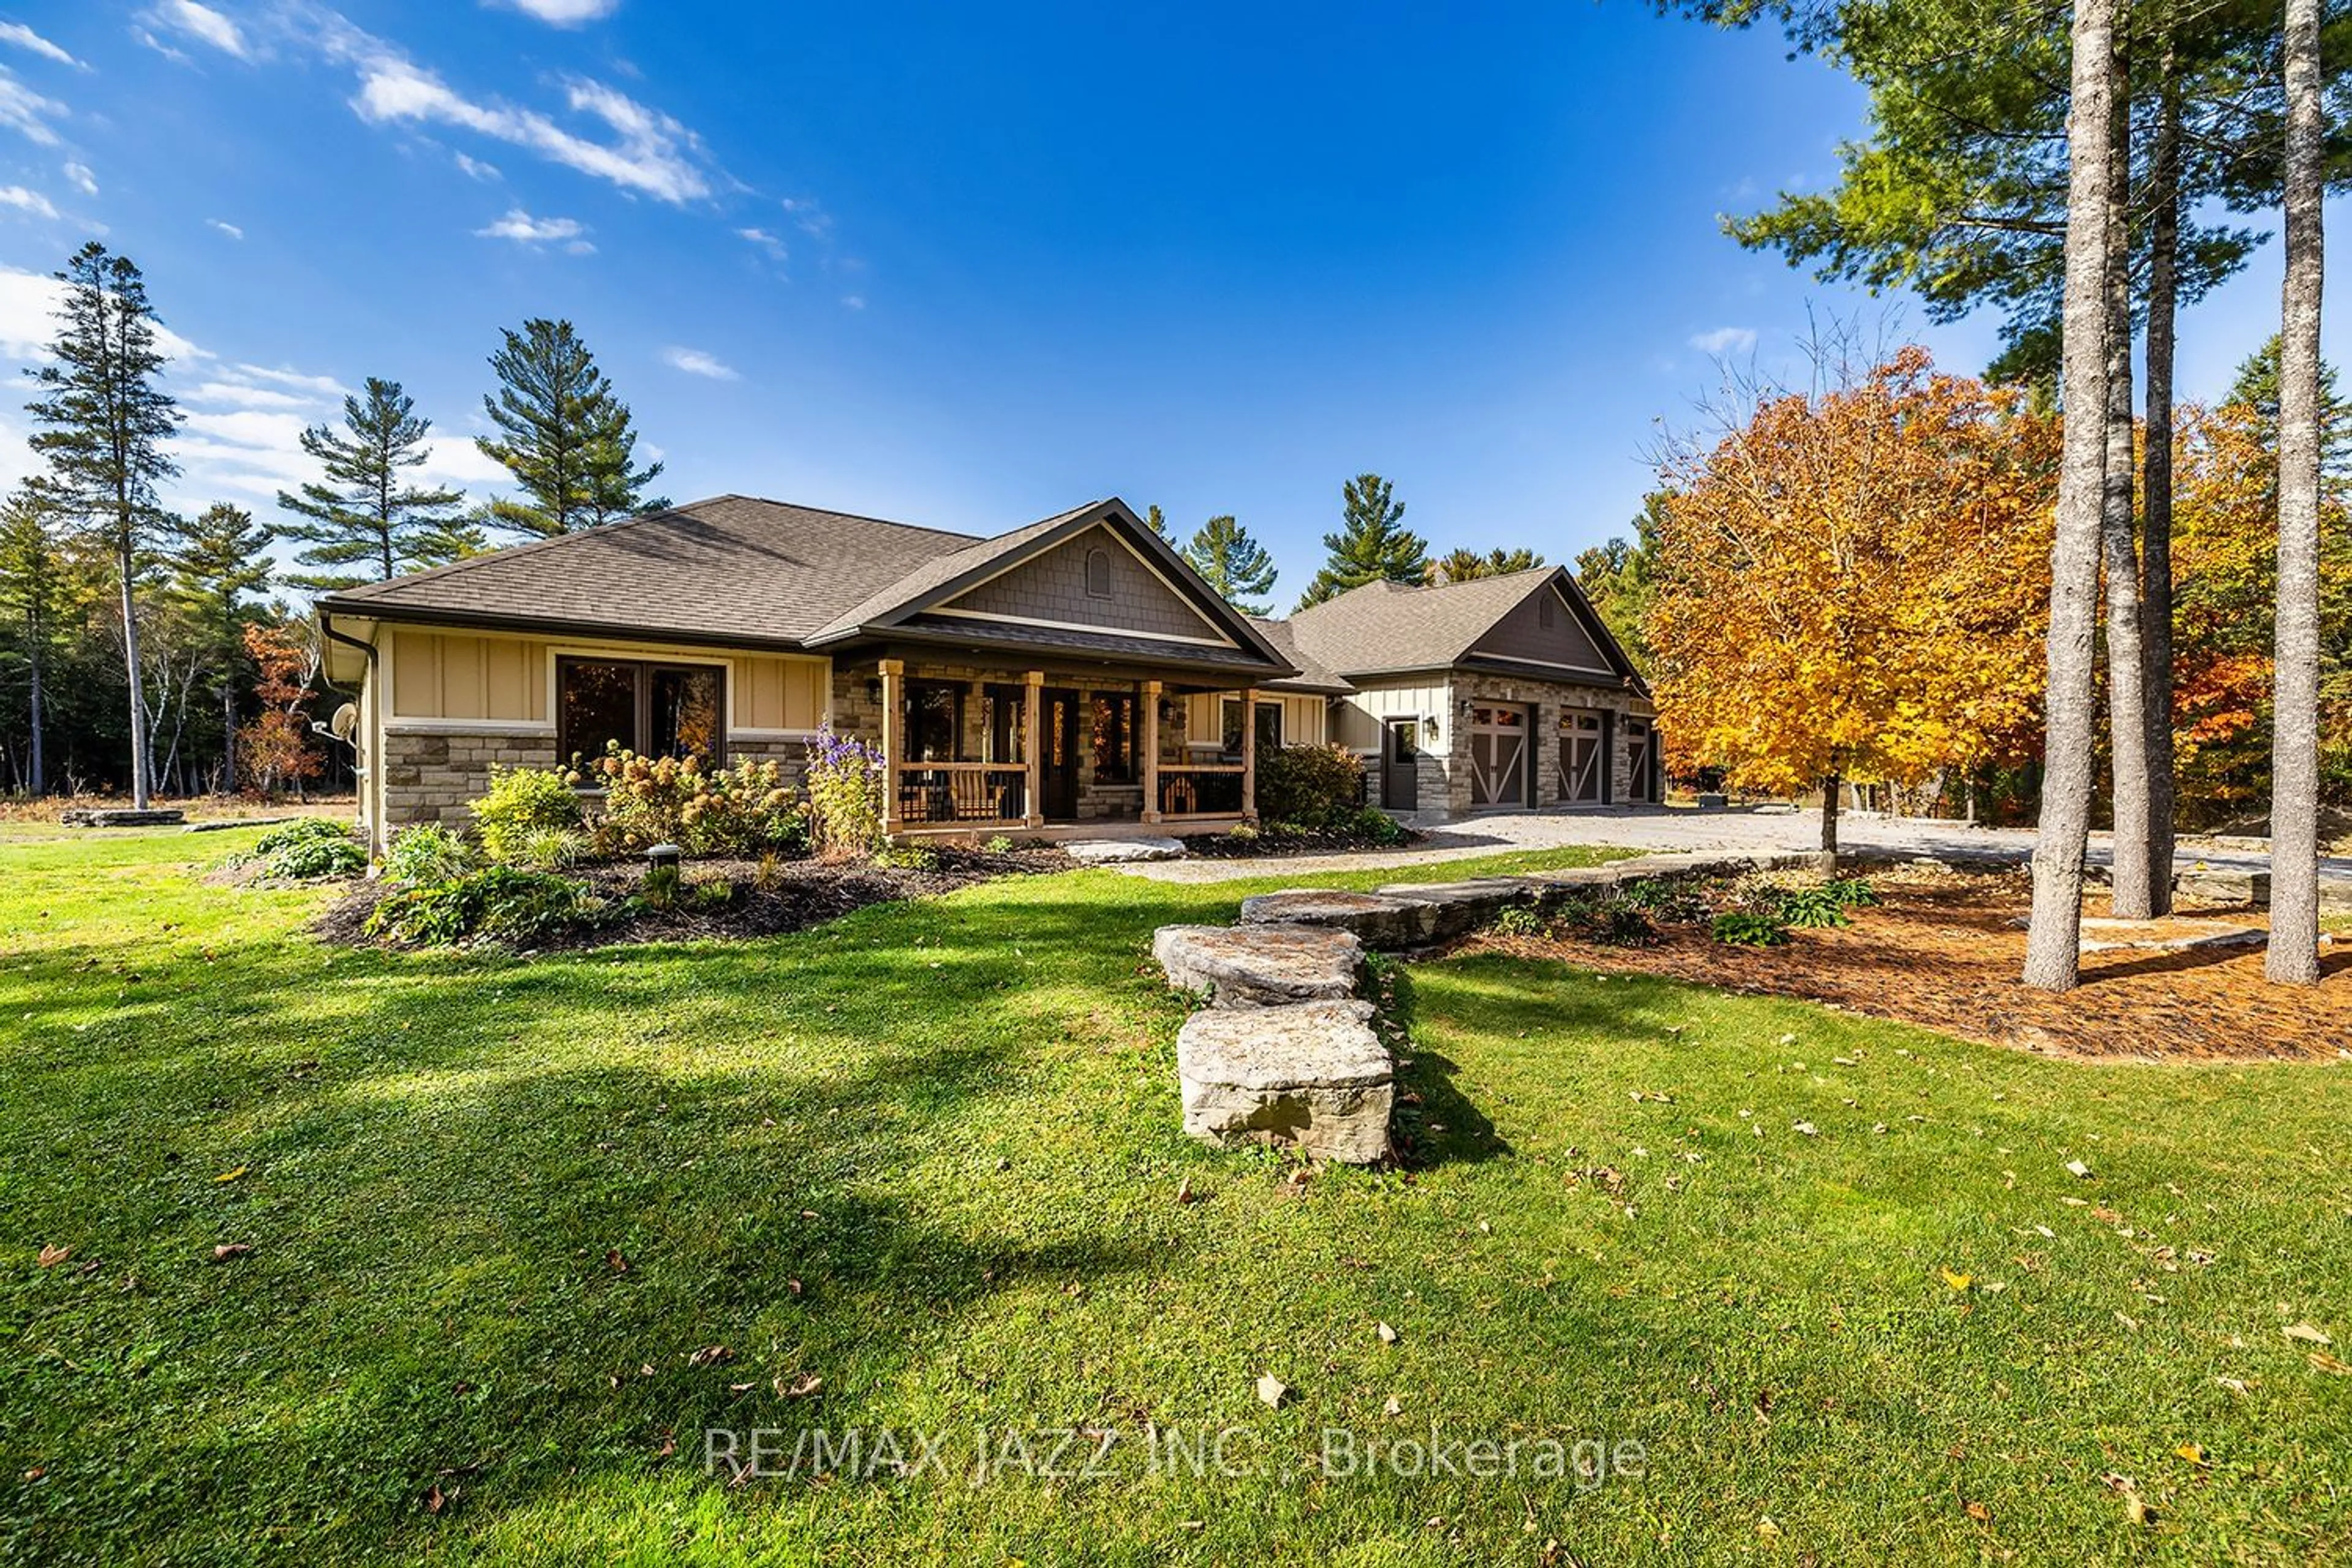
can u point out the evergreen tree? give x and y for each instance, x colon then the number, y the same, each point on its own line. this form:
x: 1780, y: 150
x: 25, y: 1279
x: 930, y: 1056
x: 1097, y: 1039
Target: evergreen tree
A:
x: 1234, y: 563
x: 1620, y: 579
x: 366, y: 524
x: 564, y: 437
x: 1156, y: 520
x: 1371, y: 546
x: 1460, y: 564
x: 34, y: 582
x: 224, y: 558
x: 105, y: 417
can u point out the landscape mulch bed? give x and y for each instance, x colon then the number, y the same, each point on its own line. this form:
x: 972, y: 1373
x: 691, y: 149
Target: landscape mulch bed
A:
x: 1944, y: 951
x: 798, y: 894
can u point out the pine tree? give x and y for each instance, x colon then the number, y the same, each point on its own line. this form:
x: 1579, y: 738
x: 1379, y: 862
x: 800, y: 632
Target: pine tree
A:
x: 224, y: 558
x: 106, y: 417
x: 1370, y: 546
x: 365, y: 524
x: 33, y: 584
x: 1460, y: 564
x: 1237, y: 565
x: 1156, y: 520
x: 566, y: 438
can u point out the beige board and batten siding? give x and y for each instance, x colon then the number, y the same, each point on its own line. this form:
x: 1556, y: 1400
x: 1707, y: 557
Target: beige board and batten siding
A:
x: 492, y: 682
x: 1303, y: 718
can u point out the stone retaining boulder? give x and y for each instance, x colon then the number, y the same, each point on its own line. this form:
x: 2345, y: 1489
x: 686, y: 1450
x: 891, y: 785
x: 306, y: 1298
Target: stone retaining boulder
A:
x: 1457, y: 909
x: 1378, y: 920
x: 1311, y: 1074
x: 1260, y: 965
x: 1122, y: 851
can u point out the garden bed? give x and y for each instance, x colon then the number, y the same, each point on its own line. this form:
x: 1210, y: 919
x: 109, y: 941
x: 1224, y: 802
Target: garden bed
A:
x: 1945, y: 949
x: 763, y: 898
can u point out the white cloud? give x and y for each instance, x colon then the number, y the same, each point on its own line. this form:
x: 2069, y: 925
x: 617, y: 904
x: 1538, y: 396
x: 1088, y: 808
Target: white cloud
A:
x: 234, y: 396
x: 24, y: 37
x: 775, y: 247
x: 567, y: 13
x: 84, y: 180
x: 201, y: 23
x: 524, y: 229
x: 27, y: 112
x: 320, y: 385
x: 28, y: 312
x: 477, y: 168
x: 694, y: 362
x: 456, y: 461
x: 811, y: 217
x: 854, y: 302
x: 26, y: 201
x: 1725, y: 341
x: 229, y: 229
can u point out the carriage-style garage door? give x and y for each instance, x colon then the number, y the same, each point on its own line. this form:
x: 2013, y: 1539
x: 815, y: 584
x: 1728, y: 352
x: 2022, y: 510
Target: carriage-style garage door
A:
x: 1498, y: 755
x: 1583, y: 760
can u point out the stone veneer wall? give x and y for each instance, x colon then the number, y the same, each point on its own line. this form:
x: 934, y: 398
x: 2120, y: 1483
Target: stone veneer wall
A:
x: 434, y: 775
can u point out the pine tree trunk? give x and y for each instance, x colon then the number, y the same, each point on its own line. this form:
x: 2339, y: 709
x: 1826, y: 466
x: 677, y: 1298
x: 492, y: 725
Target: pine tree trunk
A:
x: 228, y: 739
x: 2118, y: 538
x: 36, y: 775
x: 2156, y: 482
x: 126, y: 566
x: 2054, y: 943
x: 1829, y: 813
x: 2294, y: 958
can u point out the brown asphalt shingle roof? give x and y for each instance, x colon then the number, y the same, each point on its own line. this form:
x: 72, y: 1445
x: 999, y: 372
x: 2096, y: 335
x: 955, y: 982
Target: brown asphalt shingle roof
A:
x: 940, y: 570
x: 1390, y: 626
x: 1313, y: 674
x: 759, y: 570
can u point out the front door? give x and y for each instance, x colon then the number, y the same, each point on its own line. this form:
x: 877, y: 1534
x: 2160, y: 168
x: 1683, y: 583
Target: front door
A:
x: 1583, y: 760
x: 1400, y: 765
x: 1498, y: 755
x: 1058, y: 767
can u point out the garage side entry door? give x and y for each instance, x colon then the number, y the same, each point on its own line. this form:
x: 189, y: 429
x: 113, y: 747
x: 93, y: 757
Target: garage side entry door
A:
x: 1583, y: 760
x: 1498, y: 755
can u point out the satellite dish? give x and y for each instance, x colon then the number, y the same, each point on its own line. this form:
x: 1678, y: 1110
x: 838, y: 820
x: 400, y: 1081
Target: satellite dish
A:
x: 346, y: 720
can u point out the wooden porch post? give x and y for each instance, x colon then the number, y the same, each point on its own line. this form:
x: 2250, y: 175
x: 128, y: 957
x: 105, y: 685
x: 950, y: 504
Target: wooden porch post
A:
x: 1249, y: 755
x: 894, y: 743
x: 1147, y: 720
x: 1032, y: 753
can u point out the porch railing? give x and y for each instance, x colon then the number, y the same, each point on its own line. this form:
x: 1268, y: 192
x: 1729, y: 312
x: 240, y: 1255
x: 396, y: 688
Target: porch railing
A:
x: 962, y: 792
x: 1211, y: 790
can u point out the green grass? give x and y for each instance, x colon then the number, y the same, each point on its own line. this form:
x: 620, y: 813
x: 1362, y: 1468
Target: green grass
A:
x: 954, y: 1123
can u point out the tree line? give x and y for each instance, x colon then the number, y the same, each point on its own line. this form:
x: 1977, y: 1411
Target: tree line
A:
x: 141, y: 650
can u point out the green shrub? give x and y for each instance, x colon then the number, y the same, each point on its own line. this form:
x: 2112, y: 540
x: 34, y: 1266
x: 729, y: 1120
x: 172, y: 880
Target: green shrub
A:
x: 549, y: 848
x: 1517, y: 920
x: 714, y: 894
x: 1814, y: 908
x: 1000, y: 845
x: 844, y: 789
x: 428, y: 852
x: 1242, y: 833
x: 306, y: 850
x: 520, y: 802
x: 1375, y: 825
x: 661, y: 887
x: 1741, y: 929
x: 907, y: 857
x: 496, y: 904
x: 1314, y: 788
x: 1852, y: 893
x: 1619, y: 924
x: 740, y: 811
x: 1669, y: 902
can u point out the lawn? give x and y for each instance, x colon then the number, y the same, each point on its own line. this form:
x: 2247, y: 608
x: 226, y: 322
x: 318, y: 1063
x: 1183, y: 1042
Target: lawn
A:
x: 501, y: 1211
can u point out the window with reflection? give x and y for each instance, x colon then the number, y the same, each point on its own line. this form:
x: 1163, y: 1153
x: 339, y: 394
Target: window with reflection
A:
x: 934, y: 721
x: 652, y: 709
x: 1114, y: 737
x: 1269, y: 728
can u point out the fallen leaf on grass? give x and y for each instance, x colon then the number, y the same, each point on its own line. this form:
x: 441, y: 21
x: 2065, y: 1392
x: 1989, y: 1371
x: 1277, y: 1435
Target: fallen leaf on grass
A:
x: 231, y: 1175
x: 232, y: 1249
x: 1766, y: 1529
x: 2234, y: 1384
x: 52, y: 1256
x: 2196, y: 1454
x: 709, y: 1355
x: 2077, y: 1168
x: 1391, y: 1407
x: 1271, y: 1391
x: 1956, y: 1280
x: 1979, y: 1513
x: 614, y: 1261
x: 2326, y: 1362
x: 37, y: 1472
x: 2306, y: 1333
x: 800, y: 1387
x: 1184, y: 1191
x: 1388, y: 1336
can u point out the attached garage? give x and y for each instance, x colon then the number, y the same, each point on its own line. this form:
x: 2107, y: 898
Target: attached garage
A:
x: 1500, y: 756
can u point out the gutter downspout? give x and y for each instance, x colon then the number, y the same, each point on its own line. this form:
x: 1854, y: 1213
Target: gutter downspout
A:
x: 368, y: 779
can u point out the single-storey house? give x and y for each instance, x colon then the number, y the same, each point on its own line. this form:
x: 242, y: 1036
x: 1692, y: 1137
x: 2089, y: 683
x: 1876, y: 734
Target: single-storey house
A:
x: 1072, y: 675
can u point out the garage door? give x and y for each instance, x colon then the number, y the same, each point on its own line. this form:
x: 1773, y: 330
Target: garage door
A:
x: 1498, y: 755
x: 1641, y: 754
x: 1583, y: 760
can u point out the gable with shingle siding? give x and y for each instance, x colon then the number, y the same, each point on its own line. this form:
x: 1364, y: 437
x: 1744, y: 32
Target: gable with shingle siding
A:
x: 1091, y: 580
x: 1544, y: 629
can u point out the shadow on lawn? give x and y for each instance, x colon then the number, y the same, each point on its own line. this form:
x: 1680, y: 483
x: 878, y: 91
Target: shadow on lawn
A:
x: 1436, y: 1123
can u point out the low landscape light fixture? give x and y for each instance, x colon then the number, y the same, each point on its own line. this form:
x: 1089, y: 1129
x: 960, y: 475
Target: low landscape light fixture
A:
x: 662, y: 854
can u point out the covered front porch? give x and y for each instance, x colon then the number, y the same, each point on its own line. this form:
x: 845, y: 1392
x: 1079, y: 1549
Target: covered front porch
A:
x: 1060, y: 752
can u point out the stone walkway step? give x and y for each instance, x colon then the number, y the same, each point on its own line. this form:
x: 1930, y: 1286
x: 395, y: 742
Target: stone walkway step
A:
x: 1312, y: 1076
x: 1122, y: 851
x: 1260, y: 965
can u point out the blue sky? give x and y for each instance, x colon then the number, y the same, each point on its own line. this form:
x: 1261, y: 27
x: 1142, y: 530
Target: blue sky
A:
x: 963, y: 265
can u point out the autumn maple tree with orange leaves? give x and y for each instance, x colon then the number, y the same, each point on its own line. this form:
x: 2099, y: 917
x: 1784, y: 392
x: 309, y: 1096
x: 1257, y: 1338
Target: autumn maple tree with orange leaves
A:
x: 1857, y: 583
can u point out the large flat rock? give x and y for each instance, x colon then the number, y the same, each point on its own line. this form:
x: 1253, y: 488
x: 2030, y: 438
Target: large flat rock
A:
x: 1260, y: 965
x: 1311, y: 1074
x: 1457, y: 909
x: 1380, y: 920
x: 1122, y: 851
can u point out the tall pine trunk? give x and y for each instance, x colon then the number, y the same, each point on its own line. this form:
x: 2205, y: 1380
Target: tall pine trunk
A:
x: 2119, y: 541
x: 2054, y: 943
x: 126, y: 568
x: 2156, y: 478
x: 36, y: 767
x: 2293, y: 956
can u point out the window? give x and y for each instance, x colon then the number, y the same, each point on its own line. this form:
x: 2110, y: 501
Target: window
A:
x: 1099, y: 574
x: 652, y: 709
x: 934, y: 721
x: 1114, y: 718
x: 1401, y: 746
x: 1269, y: 727
x: 1004, y: 724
